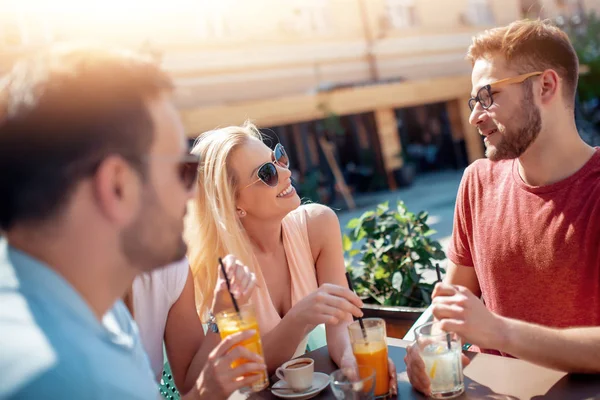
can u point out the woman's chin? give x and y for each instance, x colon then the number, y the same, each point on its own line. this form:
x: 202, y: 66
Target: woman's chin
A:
x: 290, y: 203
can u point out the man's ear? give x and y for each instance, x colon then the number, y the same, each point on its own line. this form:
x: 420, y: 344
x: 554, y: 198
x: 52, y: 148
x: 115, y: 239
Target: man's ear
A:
x: 117, y: 189
x: 549, y: 88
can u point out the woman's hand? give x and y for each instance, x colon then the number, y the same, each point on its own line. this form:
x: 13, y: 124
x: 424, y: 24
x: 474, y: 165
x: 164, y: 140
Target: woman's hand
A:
x: 217, y: 379
x: 349, y: 363
x: 329, y: 305
x: 242, y: 283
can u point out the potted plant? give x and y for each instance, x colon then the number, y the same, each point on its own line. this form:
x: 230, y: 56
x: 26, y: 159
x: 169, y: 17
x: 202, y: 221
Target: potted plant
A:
x: 388, y: 250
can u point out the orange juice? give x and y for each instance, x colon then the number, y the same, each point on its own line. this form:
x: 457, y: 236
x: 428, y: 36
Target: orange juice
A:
x: 231, y: 322
x: 375, y: 355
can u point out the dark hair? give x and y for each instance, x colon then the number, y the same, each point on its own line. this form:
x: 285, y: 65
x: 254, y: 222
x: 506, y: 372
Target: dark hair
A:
x: 63, y: 112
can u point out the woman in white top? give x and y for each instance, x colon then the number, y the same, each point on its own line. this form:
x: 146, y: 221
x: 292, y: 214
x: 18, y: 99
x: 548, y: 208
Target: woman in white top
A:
x: 162, y: 303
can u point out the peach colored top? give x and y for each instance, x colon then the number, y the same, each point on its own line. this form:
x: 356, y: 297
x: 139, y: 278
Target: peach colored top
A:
x: 302, y: 272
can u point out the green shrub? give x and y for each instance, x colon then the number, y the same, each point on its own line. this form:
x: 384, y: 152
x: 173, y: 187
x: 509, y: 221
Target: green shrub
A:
x: 387, y: 251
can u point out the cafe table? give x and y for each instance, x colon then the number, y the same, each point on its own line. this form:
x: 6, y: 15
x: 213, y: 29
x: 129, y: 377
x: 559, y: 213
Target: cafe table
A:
x: 487, y: 377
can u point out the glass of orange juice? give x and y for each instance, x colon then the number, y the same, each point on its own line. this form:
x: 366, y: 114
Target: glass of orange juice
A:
x: 230, y: 322
x: 370, y: 349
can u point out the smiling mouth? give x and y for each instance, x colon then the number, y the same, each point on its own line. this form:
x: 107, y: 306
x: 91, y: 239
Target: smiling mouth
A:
x: 488, y: 133
x: 286, y: 191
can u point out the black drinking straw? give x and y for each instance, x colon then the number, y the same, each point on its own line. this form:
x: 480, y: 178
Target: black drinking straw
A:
x: 360, y: 320
x: 439, y: 278
x: 235, y: 305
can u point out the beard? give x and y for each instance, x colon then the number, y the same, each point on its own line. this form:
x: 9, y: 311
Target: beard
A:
x: 520, y: 134
x: 154, y: 239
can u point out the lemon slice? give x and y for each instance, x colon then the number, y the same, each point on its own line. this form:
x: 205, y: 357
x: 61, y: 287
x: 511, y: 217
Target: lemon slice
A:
x: 433, y: 368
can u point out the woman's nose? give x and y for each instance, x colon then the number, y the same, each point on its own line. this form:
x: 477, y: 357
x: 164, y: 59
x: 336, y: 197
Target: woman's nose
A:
x: 284, y: 171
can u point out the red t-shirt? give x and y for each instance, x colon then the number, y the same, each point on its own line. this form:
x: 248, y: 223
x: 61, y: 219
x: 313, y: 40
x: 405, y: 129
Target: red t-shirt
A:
x: 536, y: 250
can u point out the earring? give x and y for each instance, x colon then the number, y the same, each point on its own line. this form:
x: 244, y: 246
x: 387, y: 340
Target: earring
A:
x: 241, y: 212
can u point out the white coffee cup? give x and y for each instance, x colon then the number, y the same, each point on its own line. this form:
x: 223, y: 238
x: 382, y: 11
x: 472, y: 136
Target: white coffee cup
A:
x: 298, y: 373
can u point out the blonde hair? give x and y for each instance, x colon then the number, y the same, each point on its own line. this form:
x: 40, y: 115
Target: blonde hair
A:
x: 213, y: 228
x: 529, y: 46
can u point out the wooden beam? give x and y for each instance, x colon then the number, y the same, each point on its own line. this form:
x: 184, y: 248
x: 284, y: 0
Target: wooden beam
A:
x: 455, y: 119
x: 337, y: 172
x: 391, y: 148
x: 299, y: 145
x: 307, y: 107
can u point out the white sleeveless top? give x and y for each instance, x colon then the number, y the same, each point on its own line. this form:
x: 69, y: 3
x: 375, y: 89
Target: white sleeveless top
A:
x: 154, y: 294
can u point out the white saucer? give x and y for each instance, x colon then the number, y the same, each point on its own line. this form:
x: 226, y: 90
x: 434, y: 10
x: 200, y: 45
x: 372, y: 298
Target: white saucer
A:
x: 320, y: 382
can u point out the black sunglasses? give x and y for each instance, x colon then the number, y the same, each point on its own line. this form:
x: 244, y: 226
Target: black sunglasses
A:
x: 267, y: 173
x: 187, y: 167
x: 188, y: 170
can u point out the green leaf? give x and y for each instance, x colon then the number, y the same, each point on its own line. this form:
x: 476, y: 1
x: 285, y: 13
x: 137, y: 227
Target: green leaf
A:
x: 430, y: 232
x: 367, y: 214
x: 383, y: 207
x: 414, y: 275
x: 354, y: 222
x: 426, y: 295
x: 361, y: 235
x: 347, y: 243
x: 401, y: 207
x: 354, y: 252
x: 397, y: 280
x: 381, y: 273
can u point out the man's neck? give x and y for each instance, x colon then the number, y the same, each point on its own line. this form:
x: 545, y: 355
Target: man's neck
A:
x: 554, y: 156
x: 92, y: 271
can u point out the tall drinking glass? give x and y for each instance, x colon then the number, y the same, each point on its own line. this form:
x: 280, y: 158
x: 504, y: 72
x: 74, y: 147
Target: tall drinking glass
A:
x: 370, y: 349
x: 441, y: 352
x: 230, y: 322
x: 353, y: 384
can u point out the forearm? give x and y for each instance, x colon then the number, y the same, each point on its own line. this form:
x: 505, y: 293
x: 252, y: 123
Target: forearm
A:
x: 338, y: 342
x: 192, y: 395
x: 575, y: 350
x: 210, y: 341
x: 282, y: 341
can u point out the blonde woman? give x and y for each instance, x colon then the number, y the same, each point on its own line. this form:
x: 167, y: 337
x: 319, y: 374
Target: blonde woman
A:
x: 247, y: 206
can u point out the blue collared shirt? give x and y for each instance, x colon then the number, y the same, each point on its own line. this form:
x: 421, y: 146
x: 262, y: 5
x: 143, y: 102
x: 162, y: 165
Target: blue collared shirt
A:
x: 52, y: 346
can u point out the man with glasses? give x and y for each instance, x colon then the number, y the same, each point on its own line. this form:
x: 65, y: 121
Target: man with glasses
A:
x: 524, y: 272
x: 95, y: 177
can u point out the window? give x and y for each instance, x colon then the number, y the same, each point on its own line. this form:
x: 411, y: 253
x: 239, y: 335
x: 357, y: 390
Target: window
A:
x: 212, y: 21
x: 310, y: 16
x: 401, y: 13
x: 569, y: 7
x: 480, y: 12
x: 531, y: 9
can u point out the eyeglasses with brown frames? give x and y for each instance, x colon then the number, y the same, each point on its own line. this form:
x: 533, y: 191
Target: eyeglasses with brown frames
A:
x: 484, y: 95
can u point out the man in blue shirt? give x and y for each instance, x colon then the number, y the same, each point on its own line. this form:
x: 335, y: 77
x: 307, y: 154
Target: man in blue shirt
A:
x: 95, y: 177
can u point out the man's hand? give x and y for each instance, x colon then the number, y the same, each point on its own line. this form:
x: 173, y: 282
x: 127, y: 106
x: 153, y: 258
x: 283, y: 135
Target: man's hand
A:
x: 415, y: 369
x: 461, y: 312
